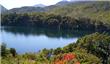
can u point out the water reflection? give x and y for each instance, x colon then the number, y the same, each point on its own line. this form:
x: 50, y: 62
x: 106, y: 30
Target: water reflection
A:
x: 44, y: 31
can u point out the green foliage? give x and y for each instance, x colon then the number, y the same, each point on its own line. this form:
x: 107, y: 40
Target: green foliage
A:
x: 53, y: 21
x: 30, y: 56
x: 58, y: 51
x: 13, y: 51
x: 7, y: 52
x: 69, y: 48
x: 97, y: 10
x: 3, y: 50
x: 97, y: 44
x: 86, y: 58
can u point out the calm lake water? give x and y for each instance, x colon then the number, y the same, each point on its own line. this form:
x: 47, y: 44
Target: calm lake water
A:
x: 25, y: 39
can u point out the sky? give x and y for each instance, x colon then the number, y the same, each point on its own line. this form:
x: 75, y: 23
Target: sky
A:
x: 9, y: 4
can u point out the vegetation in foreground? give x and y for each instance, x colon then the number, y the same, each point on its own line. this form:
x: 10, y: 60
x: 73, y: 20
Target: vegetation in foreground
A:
x: 90, y: 49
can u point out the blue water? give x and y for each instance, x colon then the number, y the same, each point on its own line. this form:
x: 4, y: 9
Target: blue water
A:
x: 33, y: 40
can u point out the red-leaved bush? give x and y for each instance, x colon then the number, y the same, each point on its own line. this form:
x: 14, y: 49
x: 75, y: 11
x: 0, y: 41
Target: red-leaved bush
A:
x: 69, y: 56
x: 66, y: 59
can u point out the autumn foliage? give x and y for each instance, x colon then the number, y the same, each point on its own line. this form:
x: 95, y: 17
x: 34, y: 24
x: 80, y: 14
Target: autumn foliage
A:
x: 69, y: 57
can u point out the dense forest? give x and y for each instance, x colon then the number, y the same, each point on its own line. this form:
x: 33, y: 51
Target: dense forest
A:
x: 90, y: 49
x: 53, y: 21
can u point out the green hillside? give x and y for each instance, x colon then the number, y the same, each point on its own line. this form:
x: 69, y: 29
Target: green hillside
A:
x: 99, y: 10
x: 86, y: 15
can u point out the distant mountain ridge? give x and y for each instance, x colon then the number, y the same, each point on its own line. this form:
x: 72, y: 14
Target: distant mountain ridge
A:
x: 2, y: 9
x: 39, y: 5
x: 37, y: 8
x: 62, y: 3
x: 26, y: 9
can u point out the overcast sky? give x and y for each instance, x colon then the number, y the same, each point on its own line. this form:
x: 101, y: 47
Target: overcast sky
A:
x: 9, y: 4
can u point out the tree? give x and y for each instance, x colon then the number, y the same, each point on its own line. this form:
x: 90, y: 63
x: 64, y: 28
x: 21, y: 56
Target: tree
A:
x: 3, y: 50
x: 58, y: 51
x: 13, y: 52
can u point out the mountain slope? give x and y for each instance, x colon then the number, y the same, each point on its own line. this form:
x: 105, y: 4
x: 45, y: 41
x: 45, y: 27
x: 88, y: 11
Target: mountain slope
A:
x: 96, y: 10
x: 99, y: 10
x: 26, y: 9
x: 2, y: 9
x: 77, y: 15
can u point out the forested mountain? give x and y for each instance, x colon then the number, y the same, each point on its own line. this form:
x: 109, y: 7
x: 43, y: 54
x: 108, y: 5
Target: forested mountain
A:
x: 99, y: 10
x: 74, y: 9
x: 92, y: 15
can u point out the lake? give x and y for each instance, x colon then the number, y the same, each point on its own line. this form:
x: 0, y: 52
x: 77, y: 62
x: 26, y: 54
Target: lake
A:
x: 25, y: 39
